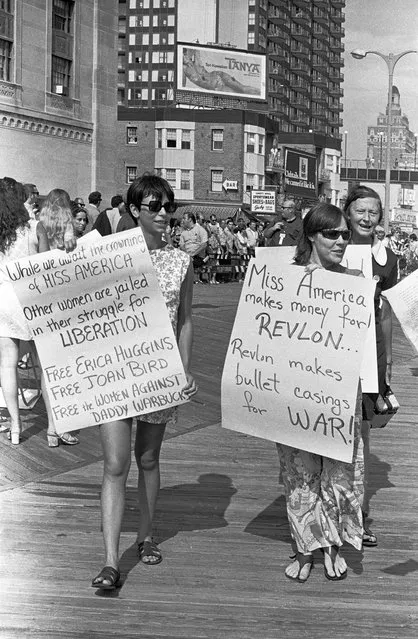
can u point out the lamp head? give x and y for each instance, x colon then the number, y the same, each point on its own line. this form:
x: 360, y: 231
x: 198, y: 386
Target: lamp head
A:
x: 359, y: 54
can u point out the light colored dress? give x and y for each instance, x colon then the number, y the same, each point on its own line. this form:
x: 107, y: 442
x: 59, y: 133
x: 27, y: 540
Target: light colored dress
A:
x: 12, y: 320
x: 171, y: 266
x: 324, y: 496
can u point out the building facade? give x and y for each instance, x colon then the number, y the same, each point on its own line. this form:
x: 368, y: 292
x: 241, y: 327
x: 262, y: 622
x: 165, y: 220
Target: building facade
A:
x: 58, y: 103
x: 403, y: 145
x: 301, y: 44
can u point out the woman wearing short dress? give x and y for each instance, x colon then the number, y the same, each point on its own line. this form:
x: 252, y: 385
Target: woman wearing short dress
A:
x: 150, y: 201
x: 19, y: 237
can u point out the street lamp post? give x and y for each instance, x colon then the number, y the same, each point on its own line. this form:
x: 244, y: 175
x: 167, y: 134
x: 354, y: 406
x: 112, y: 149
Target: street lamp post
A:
x: 345, y: 149
x: 391, y: 61
x: 381, y: 150
x: 415, y: 152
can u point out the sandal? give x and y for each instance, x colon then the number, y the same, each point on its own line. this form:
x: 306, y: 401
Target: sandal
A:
x: 107, y: 574
x: 369, y: 538
x: 302, y: 561
x: 149, y: 550
x: 332, y: 554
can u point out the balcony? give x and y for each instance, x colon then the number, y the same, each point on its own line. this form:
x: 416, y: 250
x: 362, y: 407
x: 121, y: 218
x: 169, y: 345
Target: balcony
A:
x: 336, y: 60
x: 337, y: 30
x: 298, y: 119
x: 336, y: 76
x: 301, y: 17
x: 301, y: 85
x: 301, y: 35
x: 320, y: 81
x: 338, y: 4
x: 336, y: 91
x: 319, y: 97
x: 320, y: 16
x: 299, y: 50
x: 299, y: 101
x: 320, y: 33
x: 324, y: 4
x: 336, y: 45
x: 320, y: 63
x: 336, y: 15
x: 276, y: 35
x: 280, y: 18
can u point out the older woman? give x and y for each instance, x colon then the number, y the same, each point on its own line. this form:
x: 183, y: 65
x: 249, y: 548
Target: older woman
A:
x: 323, y: 495
x: 364, y: 210
x: 19, y: 237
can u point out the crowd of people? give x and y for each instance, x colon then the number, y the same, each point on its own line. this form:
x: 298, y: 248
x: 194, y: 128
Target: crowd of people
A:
x: 327, y: 500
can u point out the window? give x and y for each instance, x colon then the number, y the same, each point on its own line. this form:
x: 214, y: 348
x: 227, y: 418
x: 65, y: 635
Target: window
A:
x: 250, y: 143
x: 132, y: 4
x: 156, y: 4
x: 251, y: 18
x: 170, y: 176
x: 6, y: 60
x: 216, y: 180
x: 250, y: 182
x: 145, y: 39
x: 132, y: 39
x: 131, y: 75
x: 131, y: 135
x: 130, y: 174
x: 217, y: 140
x: 156, y: 38
x: 251, y: 38
x: 61, y: 74
x: 185, y: 180
x: 159, y: 138
x: 61, y: 15
x: 171, y: 139
x: 185, y: 140
x: 261, y: 144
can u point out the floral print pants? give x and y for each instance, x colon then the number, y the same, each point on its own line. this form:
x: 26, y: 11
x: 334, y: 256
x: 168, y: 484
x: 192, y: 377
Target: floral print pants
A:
x: 324, y: 496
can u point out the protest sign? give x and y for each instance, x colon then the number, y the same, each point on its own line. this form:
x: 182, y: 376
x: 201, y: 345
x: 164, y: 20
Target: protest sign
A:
x: 355, y: 257
x: 293, y: 362
x: 403, y: 299
x: 101, y: 329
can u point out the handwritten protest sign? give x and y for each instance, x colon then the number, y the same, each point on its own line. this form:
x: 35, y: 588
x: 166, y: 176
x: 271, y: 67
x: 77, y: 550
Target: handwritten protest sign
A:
x: 403, y: 299
x: 293, y: 362
x: 102, y: 331
x: 355, y: 257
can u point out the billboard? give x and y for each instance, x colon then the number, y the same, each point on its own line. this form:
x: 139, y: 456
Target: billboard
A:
x: 300, y: 173
x: 221, y: 71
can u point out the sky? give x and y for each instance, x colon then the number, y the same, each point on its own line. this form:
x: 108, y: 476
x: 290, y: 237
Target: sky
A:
x: 388, y: 26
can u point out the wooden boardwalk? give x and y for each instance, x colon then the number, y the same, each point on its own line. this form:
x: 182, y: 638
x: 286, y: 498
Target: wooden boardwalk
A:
x: 221, y: 523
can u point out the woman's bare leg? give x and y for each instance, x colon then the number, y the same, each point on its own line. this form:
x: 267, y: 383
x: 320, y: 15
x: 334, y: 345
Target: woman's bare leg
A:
x: 116, y: 443
x: 148, y: 442
x: 9, y: 355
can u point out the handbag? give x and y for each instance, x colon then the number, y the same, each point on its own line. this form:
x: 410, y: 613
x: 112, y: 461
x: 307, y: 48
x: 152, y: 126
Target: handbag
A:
x: 385, y: 408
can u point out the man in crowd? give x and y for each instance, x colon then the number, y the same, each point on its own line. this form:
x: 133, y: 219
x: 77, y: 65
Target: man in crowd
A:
x: 193, y: 240
x: 92, y: 208
x: 80, y: 203
x: 31, y: 202
x: 252, y: 237
x: 291, y: 226
x: 108, y: 220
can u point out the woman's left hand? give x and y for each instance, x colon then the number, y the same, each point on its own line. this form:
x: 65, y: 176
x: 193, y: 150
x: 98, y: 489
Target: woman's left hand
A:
x: 191, y: 387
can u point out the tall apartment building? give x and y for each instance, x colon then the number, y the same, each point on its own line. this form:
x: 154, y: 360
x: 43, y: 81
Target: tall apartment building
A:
x: 304, y: 43
x: 301, y: 41
x: 58, y: 69
x: 403, y: 144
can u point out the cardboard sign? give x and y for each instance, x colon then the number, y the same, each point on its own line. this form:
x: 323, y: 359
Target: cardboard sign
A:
x: 403, y: 299
x: 102, y: 331
x: 293, y: 362
x: 355, y: 257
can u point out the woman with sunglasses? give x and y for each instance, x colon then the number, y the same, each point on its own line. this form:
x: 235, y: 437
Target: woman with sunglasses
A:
x: 150, y: 202
x: 363, y: 208
x: 323, y: 495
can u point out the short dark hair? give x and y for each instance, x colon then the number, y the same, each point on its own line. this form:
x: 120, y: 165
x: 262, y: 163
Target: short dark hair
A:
x: 29, y: 189
x: 115, y: 201
x: 319, y: 217
x: 148, y: 184
x: 95, y: 197
x: 360, y: 192
x: 190, y: 216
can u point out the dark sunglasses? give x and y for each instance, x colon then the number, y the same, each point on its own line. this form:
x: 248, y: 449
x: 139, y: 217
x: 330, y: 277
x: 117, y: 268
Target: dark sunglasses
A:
x: 334, y: 234
x: 155, y: 206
